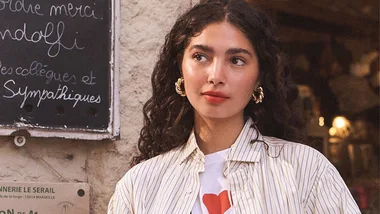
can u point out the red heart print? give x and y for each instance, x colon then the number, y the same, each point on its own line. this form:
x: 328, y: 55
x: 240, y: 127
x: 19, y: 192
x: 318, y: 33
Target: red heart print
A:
x: 217, y: 204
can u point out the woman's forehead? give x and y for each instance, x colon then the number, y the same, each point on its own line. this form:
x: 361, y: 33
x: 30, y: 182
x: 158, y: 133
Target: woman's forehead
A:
x: 221, y: 36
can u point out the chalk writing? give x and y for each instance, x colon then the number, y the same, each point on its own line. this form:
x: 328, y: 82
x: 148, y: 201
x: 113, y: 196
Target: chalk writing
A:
x: 72, y: 11
x: 20, y: 6
x: 89, y: 80
x: 38, y: 69
x: 54, y: 63
x: 42, y: 94
x: 46, y: 36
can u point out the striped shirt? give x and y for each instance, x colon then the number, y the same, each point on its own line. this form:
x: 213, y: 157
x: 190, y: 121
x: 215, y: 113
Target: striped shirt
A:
x: 272, y: 177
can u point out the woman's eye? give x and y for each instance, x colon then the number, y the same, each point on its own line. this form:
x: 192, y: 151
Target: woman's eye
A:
x: 199, y: 58
x: 237, y: 61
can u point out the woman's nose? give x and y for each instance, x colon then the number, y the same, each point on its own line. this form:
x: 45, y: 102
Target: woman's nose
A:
x: 217, y: 73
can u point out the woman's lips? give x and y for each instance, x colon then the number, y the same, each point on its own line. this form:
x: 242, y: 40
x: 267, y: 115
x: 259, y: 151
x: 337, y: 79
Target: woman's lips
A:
x: 215, y: 97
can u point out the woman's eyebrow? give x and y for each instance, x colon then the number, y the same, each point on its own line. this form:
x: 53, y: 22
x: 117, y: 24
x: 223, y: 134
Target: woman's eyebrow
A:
x: 204, y: 48
x: 232, y: 51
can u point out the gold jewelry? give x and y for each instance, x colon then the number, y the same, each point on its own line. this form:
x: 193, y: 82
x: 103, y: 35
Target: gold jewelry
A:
x: 258, y: 95
x: 178, y: 87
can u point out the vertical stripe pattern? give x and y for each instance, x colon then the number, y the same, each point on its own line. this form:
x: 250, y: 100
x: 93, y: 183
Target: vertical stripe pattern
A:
x: 282, y: 177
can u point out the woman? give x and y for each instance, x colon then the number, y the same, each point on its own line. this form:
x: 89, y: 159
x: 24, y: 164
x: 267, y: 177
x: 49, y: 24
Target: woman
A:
x: 218, y: 128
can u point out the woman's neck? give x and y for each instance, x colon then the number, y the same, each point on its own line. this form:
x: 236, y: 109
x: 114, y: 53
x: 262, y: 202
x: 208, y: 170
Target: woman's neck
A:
x: 214, y: 135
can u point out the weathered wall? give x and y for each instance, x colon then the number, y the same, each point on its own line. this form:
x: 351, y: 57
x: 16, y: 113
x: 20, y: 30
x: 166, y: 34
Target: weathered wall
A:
x: 143, y: 25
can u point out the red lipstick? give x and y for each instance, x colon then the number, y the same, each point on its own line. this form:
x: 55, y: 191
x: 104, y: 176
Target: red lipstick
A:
x: 215, y: 97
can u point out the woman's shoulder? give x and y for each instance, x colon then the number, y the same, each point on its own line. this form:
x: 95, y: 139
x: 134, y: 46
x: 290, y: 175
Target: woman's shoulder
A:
x: 307, y: 164
x: 150, y: 169
x: 133, y: 187
x: 297, y: 153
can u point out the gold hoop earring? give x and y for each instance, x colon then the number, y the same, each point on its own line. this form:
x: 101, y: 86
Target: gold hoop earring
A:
x: 258, y: 95
x: 178, y: 87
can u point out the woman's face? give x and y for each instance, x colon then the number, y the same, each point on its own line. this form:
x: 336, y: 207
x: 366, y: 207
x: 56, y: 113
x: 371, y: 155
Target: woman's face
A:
x: 220, y: 68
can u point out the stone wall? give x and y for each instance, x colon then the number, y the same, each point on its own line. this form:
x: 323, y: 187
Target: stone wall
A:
x: 143, y: 26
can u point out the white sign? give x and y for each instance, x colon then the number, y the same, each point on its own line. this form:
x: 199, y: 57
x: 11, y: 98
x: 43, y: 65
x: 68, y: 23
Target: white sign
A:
x: 44, y: 198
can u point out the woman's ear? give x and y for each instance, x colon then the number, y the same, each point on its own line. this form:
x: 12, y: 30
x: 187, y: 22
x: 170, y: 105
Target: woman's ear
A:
x: 179, y: 63
x: 257, y: 84
x: 260, y: 79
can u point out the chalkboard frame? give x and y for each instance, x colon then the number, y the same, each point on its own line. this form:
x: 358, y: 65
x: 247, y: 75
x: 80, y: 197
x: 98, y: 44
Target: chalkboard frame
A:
x: 113, y: 129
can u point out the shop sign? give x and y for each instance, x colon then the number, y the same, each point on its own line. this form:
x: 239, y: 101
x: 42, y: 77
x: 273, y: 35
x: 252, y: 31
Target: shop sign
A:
x: 44, y: 198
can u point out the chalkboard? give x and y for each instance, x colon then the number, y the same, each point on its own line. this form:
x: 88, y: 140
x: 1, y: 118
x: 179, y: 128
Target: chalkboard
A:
x: 55, y: 64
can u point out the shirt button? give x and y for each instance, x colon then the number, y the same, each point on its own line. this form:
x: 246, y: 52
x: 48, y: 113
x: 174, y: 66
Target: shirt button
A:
x: 189, y: 189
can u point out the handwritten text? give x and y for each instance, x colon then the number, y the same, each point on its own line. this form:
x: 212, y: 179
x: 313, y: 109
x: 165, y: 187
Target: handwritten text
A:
x: 46, y: 36
x: 61, y: 93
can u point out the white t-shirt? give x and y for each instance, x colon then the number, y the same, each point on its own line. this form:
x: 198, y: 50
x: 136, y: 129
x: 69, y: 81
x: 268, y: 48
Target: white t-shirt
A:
x: 214, y: 195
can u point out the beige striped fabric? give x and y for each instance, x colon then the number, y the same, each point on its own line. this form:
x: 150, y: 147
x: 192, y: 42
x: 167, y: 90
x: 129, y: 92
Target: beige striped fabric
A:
x: 283, y: 177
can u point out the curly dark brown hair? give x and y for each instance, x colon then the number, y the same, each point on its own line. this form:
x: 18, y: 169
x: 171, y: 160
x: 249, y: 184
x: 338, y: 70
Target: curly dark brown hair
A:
x: 169, y: 118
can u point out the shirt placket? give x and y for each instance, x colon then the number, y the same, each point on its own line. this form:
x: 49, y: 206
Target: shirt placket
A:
x: 242, y: 198
x: 193, y: 184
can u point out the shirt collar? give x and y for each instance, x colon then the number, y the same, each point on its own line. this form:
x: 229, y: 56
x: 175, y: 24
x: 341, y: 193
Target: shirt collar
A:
x: 190, y: 147
x: 245, y: 149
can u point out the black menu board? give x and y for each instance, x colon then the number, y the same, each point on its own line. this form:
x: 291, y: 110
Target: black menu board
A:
x: 55, y: 64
